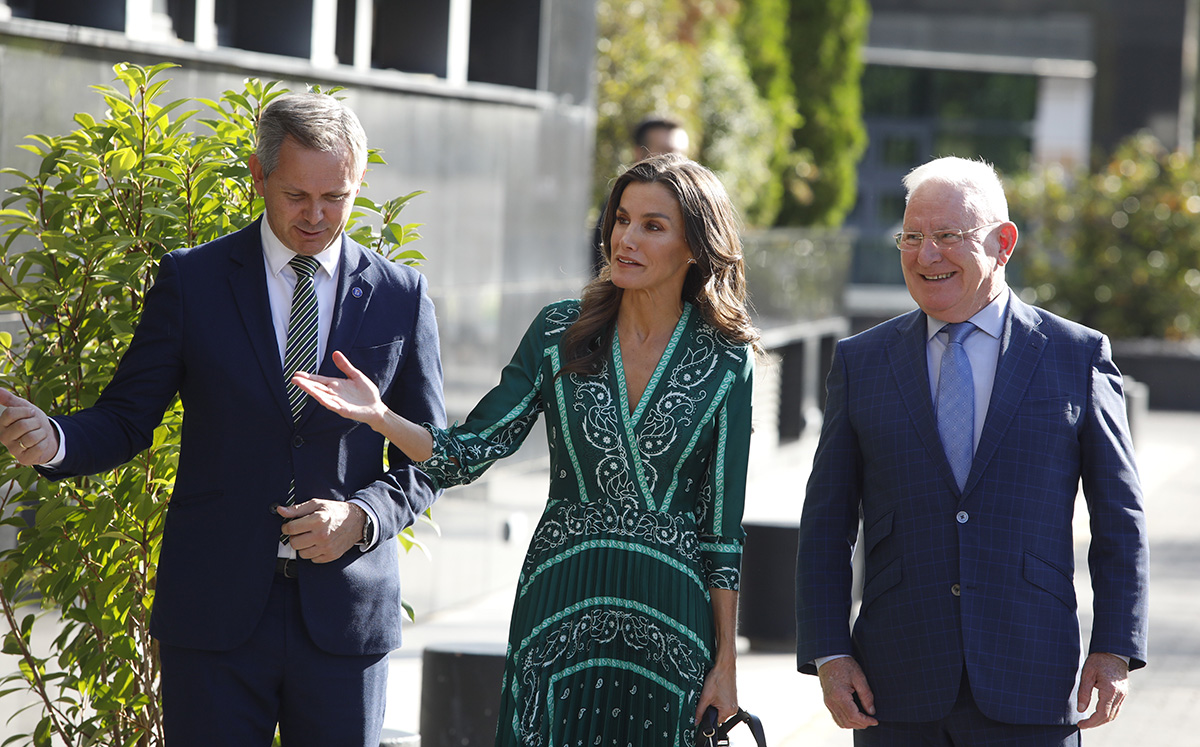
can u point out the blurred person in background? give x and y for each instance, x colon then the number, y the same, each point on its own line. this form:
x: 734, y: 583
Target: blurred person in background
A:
x: 653, y: 136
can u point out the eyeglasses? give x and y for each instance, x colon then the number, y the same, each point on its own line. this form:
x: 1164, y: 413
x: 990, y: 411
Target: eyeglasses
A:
x: 911, y: 241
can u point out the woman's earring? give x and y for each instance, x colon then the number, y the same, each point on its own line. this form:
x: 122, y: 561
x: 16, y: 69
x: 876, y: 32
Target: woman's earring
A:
x: 691, y: 260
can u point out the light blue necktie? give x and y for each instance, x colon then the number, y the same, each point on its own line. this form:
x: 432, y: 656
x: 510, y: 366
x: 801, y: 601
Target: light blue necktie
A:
x: 956, y: 403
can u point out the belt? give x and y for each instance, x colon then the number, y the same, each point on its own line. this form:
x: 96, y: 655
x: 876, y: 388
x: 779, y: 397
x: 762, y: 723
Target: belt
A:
x: 287, y: 567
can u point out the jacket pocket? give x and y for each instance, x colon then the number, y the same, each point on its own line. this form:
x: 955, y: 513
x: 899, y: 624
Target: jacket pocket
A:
x: 377, y: 352
x: 878, y: 532
x: 885, y: 579
x: 1049, y: 577
x: 187, y: 500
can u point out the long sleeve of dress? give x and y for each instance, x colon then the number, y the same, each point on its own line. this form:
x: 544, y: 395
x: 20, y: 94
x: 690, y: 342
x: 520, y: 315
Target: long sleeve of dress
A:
x: 498, y: 424
x: 724, y: 496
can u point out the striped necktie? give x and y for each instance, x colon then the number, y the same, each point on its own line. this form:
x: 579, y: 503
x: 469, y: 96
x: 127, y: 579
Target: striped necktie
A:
x: 300, y: 353
x: 956, y: 403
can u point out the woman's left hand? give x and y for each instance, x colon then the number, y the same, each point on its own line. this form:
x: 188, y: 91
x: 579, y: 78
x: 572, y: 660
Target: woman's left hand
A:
x: 355, y: 397
x: 720, y: 690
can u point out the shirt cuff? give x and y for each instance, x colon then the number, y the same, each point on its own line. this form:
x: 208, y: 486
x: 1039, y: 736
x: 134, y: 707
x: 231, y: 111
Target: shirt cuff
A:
x: 374, y: 520
x: 59, y: 455
x: 820, y: 661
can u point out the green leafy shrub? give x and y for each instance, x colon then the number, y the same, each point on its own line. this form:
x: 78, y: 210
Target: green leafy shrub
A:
x: 82, y: 237
x: 711, y: 65
x: 826, y: 41
x: 1117, y: 249
x: 763, y: 30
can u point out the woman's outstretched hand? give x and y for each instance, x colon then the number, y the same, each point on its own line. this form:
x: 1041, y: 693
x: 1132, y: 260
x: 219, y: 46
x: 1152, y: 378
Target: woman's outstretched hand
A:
x: 355, y: 397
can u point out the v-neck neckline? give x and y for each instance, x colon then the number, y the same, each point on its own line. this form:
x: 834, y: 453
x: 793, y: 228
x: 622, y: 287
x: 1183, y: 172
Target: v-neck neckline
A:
x: 622, y: 390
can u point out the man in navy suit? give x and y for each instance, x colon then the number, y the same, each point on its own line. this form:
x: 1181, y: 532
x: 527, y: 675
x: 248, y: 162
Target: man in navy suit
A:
x: 967, y: 633
x: 278, y: 594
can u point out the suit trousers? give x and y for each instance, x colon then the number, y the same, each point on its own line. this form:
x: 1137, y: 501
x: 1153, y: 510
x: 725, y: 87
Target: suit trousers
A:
x: 235, y: 698
x: 966, y: 726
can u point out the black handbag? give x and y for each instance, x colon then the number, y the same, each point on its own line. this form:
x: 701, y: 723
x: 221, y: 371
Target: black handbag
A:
x: 710, y: 734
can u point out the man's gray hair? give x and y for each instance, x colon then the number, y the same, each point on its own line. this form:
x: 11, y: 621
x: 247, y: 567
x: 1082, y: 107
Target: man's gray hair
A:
x: 982, y: 190
x: 317, y: 121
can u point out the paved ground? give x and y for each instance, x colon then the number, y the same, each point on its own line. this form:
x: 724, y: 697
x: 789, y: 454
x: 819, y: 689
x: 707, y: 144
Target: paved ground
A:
x: 1163, y: 696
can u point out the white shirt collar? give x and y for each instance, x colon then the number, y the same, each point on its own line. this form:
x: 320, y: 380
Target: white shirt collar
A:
x: 990, y: 318
x: 279, y: 255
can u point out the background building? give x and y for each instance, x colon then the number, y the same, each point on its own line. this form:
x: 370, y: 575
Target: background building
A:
x: 487, y: 106
x: 1013, y: 81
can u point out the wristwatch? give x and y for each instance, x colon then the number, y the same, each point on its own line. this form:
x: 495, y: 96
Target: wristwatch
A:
x: 368, y: 529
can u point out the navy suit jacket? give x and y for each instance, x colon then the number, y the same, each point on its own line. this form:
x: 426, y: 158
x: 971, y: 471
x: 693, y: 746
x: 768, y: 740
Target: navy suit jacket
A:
x: 981, y: 577
x: 206, y: 334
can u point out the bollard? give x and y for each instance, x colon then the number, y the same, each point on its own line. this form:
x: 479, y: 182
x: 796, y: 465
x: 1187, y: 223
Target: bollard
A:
x: 767, y: 599
x: 460, y: 694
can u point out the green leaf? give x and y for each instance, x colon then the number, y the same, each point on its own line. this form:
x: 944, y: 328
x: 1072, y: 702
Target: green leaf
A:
x: 41, y: 735
x: 121, y: 162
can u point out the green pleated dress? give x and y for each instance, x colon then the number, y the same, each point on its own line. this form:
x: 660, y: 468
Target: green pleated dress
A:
x: 612, y: 628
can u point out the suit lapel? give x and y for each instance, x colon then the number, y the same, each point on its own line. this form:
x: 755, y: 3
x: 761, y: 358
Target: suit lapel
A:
x: 1021, y: 347
x: 249, y: 282
x: 910, y: 366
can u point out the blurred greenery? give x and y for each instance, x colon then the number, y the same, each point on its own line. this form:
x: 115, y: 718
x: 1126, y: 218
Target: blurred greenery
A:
x: 1118, y: 248
x: 724, y: 69
x: 826, y: 40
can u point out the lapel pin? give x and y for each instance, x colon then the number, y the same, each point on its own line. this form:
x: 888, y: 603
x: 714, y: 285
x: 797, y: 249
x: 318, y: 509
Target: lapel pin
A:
x: 356, y: 292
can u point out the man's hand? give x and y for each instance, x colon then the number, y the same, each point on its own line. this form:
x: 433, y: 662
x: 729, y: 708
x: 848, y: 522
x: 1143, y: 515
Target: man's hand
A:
x: 1108, y: 675
x: 26, y: 431
x: 841, y: 680
x: 322, y: 531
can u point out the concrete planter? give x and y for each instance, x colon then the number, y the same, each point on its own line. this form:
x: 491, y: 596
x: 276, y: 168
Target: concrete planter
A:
x: 1170, y: 370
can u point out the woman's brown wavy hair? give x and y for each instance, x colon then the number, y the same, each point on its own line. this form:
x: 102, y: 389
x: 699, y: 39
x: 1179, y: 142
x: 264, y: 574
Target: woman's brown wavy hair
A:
x: 715, y: 284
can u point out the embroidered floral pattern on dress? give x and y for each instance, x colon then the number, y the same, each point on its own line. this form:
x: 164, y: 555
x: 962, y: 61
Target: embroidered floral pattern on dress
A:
x: 612, y: 629
x: 570, y: 643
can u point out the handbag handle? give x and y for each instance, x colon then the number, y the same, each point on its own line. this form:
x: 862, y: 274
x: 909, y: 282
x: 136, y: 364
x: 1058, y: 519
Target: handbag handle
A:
x: 710, y: 734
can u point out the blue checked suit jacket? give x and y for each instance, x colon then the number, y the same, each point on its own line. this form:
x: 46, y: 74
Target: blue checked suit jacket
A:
x: 206, y: 334
x: 981, y: 577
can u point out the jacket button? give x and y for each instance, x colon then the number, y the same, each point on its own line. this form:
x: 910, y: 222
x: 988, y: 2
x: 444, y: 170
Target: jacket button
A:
x: 956, y: 590
x: 297, y: 441
x: 961, y: 517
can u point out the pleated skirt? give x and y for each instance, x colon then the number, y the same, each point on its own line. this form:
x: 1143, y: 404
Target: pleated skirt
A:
x: 612, y: 631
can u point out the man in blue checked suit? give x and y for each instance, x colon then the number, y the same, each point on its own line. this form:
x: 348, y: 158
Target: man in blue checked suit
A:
x: 960, y: 434
x: 278, y: 594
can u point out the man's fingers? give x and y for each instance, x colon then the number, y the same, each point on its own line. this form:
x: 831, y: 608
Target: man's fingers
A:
x: 847, y: 694
x: 296, y: 510
x: 1108, y: 676
x: 866, y: 698
x: 26, y: 431
x: 1086, y: 684
x: 847, y: 714
x: 1108, y: 705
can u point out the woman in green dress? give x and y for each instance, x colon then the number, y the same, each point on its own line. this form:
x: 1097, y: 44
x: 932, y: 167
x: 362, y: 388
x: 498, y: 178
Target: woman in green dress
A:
x: 624, y: 624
